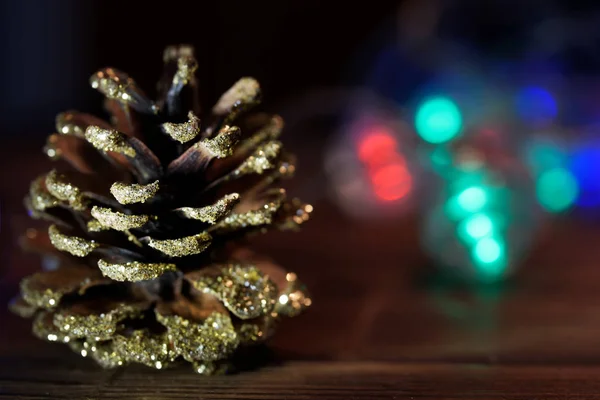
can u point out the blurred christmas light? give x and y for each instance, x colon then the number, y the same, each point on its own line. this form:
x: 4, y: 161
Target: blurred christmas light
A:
x: 472, y: 199
x: 556, y: 189
x: 585, y: 167
x: 438, y: 120
x: 484, y: 213
x: 369, y: 164
x: 471, y: 230
x: 475, y: 227
x: 376, y: 145
x: 386, y: 167
x: 488, y: 255
x: 487, y: 250
x: 391, y: 182
x: 556, y: 186
x: 542, y: 154
x: 536, y: 105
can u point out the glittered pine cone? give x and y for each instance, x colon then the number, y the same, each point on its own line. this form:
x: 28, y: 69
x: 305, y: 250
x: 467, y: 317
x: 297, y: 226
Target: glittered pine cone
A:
x: 149, y: 217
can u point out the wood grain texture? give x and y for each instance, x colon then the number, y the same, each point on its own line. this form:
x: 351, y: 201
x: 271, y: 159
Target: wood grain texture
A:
x: 307, y: 380
x: 380, y: 327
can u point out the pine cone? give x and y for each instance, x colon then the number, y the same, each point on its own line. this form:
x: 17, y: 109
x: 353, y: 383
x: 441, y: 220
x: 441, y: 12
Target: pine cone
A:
x: 149, y: 216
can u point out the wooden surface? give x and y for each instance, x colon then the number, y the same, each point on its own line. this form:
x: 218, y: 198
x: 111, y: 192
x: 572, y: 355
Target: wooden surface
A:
x: 377, y: 329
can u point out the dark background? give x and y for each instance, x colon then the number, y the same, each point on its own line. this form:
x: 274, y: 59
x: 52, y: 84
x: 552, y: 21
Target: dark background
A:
x: 50, y: 48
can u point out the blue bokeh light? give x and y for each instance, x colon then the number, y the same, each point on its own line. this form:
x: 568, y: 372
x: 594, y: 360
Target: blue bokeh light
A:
x: 585, y: 167
x: 536, y: 105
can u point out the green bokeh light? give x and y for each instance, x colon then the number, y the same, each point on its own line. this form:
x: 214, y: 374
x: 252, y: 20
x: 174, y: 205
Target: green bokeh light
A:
x: 489, y: 258
x: 468, y: 201
x: 478, y: 226
x: 438, y: 120
x: 556, y: 189
x: 475, y: 227
x: 487, y: 250
x: 472, y: 199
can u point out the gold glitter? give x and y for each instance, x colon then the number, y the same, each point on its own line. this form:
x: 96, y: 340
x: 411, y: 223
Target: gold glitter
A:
x: 183, y: 132
x: 243, y: 94
x: 145, y: 348
x: 117, y: 85
x: 257, y: 330
x: 261, y: 160
x: 109, y: 140
x: 94, y: 225
x: 45, y: 289
x: 44, y: 328
x: 185, y: 246
x: 186, y: 68
x: 291, y: 277
x: 98, y: 326
x: 74, y: 245
x: 210, y: 368
x: 204, y: 368
x: 132, y: 238
x: 208, y: 340
x: 112, y: 83
x: 211, y: 214
x: 65, y: 125
x: 133, y: 193
x: 244, y: 290
x: 58, y: 186
x: 107, y: 358
x: 117, y: 220
x: 222, y: 145
x: 297, y: 214
x: 272, y: 130
x: 134, y: 270
x: 47, y: 299
x: 52, y: 151
x: 39, y: 196
x: 294, y: 298
x: 286, y: 169
x: 251, y: 295
x: 250, y: 333
x: 101, y: 352
x: 262, y: 216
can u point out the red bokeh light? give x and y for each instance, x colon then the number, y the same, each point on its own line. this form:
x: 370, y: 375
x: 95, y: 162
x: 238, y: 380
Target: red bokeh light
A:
x: 386, y: 167
x: 391, y: 182
x: 376, y: 145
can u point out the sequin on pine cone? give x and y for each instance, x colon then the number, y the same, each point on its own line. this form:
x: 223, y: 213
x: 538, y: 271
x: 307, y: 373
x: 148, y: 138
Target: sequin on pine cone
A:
x: 148, y: 220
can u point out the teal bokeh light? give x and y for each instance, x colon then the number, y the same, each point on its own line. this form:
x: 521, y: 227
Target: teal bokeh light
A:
x: 438, y: 120
x: 475, y: 227
x: 487, y: 250
x: 468, y: 201
x: 472, y: 199
x: 489, y: 258
x: 478, y: 226
x: 556, y: 189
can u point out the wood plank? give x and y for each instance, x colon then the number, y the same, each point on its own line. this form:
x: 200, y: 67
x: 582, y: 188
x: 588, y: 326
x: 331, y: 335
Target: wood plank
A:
x: 304, y: 380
